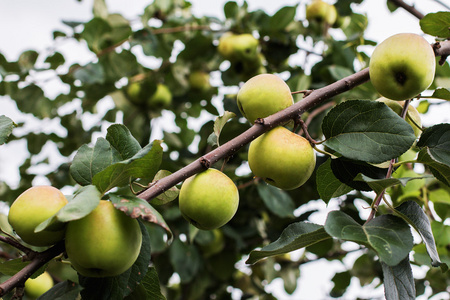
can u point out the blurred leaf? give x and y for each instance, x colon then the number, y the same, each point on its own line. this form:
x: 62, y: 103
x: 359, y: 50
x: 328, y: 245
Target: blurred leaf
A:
x: 118, y: 287
x: 143, y: 164
x: 152, y: 285
x: 169, y: 195
x: 138, y: 208
x: 27, y: 60
x: 6, y: 127
x: 437, y: 141
x: 282, y: 18
x: 388, y: 235
x: 379, y: 185
x: 436, y: 24
x: 367, y: 131
x: 91, y: 73
x: 441, y: 93
x: 11, y: 267
x: 65, y: 290
x: 55, y: 60
x: 398, y: 281
x: 328, y: 185
x: 185, y: 260
x: 341, y: 282
x: 412, y: 213
x: 100, y: 9
x: 276, y: 200
x: 95, y: 32
x: 295, y: 236
x: 440, y: 171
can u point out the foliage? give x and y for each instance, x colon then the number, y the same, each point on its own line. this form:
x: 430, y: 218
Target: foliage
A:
x: 117, y: 158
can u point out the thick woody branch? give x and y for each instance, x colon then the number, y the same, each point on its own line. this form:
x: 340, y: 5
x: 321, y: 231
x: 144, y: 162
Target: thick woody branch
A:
x: 408, y: 8
x: 315, y: 98
x: 39, y: 260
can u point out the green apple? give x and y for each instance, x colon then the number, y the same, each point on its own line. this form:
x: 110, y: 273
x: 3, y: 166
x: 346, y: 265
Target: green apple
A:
x: 262, y: 96
x: 402, y: 66
x: 412, y: 116
x: 214, y: 244
x: 320, y: 11
x: 104, y: 243
x: 162, y: 98
x: 208, y: 200
x: 134, y: 92
x: 33, y: 207
x: 34, y: 288
x: 235, y: 47
x: 282, y: 158
x: 199, y: 80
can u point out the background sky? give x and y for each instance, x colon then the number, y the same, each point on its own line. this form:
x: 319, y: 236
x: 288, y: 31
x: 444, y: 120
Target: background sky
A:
x: 28, y: 24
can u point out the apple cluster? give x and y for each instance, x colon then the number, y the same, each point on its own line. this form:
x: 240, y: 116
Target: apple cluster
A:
x: 137, y: 92
x: 104, y: 243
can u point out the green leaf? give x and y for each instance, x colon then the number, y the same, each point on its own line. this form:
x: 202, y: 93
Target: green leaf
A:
x: 346, y: 170
x: 13, y: 266
x: 282, y: 18
x: 437, y: 140
x: 27, y: 60
x: 379, y: 185
x: 120, y: 138
x: 6, y: 127
x: 295, y: 236
x: 412, y: 213
x: 341, y: 282
x: 65, y: 290
x: 367, y: 130
x: 95, y: 32
x: 388, y: 235
x: 169, y: 195
x: 441, y: 93
x: 143, y: 164
x: 436, y: 24
x: 152, y: 285
x: 398, y: 281
x: 138, y: 208
x: 219, y: 123
x: 91, y: 73
x: 328, y: 185
x: 100, y: 9
x: 55, y: 60
x: 85, y: 200
x: 118, y: 287
x: 440, y: 171
x: 186, y: 268
x: 90, y: 161
x: 276, y: 200
x: 231, y: 10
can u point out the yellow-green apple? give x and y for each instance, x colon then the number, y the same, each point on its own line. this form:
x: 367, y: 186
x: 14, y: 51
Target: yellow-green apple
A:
x: 134, y: 92
x: 33, y: 207
x: 412, y: 116
x: 321, y: 11
x: 104, y: 243
x: 215, y: 244
x: 34, y: 288
x: 199, y: 80
x: 262, y: 96
x: 282, y: 158
x: 238, y: 46
x: 208, y: 200
x: 402, y: 66
x: 162, y: 98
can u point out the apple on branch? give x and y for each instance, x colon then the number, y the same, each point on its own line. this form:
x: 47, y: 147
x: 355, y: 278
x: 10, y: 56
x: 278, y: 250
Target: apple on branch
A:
x: 208, y: 200
x: 402, y: 66
x: 104, y: 243
x: 33, y: 207
x: 34, y: 288
x: 282, y: 158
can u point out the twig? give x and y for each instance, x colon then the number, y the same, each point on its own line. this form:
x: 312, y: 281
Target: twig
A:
x: 408, y: 8
x: 17, y: 245
x: 443, y: 4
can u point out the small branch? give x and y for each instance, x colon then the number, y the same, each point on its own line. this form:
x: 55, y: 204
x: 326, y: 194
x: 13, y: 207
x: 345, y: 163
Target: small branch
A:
x: 17, y: 245
x: 38, y: 261
x: 411, y: 9
x: 442, y: 49
x: 443, y: 4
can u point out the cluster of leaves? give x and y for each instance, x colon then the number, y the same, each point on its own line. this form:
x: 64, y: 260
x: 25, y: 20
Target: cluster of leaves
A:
x: 361, y: 135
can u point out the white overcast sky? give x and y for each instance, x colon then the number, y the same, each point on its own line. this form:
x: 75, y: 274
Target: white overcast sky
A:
x: 28, y: 24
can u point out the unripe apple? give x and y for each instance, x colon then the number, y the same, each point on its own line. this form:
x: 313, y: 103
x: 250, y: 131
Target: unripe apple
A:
x: 402, y: 66
x: 238, y: 46
x: 262, y: 96
x: 162, y: 98
x: 104, y: 243
x: 34, y: 288
x: 208, y: 200
x: 282, y: 158
x: 199, y: 80
x: 134, y: 93
x: 33, y: 207
x: 321, y: 11
x: 412, y: 116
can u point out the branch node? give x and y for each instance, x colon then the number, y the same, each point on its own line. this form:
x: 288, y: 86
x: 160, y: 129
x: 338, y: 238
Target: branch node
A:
x: 259, y: 121
x: 206, y: 164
